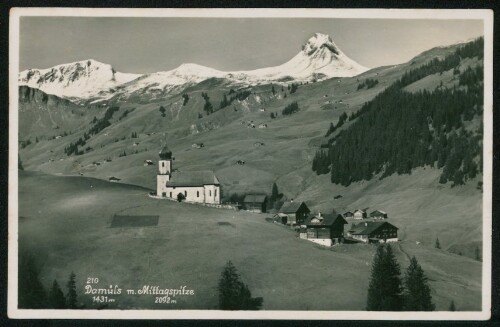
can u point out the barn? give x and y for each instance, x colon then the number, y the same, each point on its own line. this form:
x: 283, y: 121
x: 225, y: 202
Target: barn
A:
x: 294, y: 212
x: 255, y: 202
x: 378, y: 214
x: 359, y: 214
x: 374, y: 232
x: 324, y: 229
x: 348, y: 214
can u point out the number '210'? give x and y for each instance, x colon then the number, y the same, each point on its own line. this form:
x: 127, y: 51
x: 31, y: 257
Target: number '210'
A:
x: 92, y: 280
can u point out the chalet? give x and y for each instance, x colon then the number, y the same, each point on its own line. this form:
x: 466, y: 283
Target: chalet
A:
x: 255, y: 202
x: 324, y: 229
x: 359, y: 214
x: 113, y: 179
x: 378, y: 214
x: 294, y: 212
x: 135, y: 144
x: 374, y: 231
x: 348, y: 214
x: 262, y: 125
x: 148, y: 162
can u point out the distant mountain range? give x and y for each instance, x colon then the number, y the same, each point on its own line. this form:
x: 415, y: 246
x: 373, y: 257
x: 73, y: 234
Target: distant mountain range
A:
x: 93, y: 81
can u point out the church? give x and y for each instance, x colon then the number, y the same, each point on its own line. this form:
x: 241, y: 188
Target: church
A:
x: 195, y: 186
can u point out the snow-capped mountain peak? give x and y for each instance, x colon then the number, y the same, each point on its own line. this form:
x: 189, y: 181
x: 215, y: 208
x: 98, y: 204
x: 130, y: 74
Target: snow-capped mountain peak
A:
x: 81, y: 79
x: 319, y: 41
x: 319, y: 59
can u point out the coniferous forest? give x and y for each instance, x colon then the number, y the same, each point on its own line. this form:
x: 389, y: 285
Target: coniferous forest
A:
x: 399, y: 130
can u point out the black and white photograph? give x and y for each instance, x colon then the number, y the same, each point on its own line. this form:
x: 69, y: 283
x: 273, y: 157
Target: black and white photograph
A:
x: 250, y: 163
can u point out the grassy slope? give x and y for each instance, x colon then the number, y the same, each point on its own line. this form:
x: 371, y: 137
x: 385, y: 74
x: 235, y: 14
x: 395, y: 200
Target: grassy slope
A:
x: 65, y: 222
x: 418, y: 204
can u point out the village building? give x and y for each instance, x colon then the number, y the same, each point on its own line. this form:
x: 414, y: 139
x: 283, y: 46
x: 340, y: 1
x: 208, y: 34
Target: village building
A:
x: 359, y: 214
x: 255, y: 202
x: 378, y: 214
x: 348, y: 214
x: 374, y: 232
x: 293, y: 213
x: 324, y: 229
x: 192, y: 186
x: 113, y: 179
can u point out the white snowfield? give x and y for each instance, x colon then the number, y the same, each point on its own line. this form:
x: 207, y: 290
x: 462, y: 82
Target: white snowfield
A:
x: 89, y: 79
x: 83, y: 79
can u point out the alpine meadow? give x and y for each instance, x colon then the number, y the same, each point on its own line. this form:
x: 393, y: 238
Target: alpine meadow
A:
x: 318, y: 184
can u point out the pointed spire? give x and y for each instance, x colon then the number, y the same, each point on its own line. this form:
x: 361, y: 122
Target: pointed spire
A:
x: 165, y: 153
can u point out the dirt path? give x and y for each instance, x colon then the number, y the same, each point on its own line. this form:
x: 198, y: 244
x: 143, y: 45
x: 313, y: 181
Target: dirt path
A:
x: 405, y: 253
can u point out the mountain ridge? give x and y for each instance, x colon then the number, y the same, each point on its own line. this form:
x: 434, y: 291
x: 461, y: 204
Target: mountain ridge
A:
x: 319, y: 59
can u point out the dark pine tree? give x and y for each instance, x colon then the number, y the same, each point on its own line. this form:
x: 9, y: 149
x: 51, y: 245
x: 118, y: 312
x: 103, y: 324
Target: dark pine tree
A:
x: 273, y: 90
x: 331, y: 129
x: 162, y: 111
x: 56, y: 297
x: 452, y: 306
x: 417, y: 293
x: 19, y: 163
x: 31, y: 294
x: 233, y: 293
x: 437, y: 245
x: 385, y: 291
x: 71, y: 296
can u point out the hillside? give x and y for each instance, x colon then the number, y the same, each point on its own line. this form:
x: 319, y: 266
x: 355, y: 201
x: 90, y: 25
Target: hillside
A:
x: 282, y: 152
x: 65, y: 223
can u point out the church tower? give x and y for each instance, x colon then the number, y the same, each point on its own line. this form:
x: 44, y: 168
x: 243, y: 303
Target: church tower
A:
x: 164, y: 171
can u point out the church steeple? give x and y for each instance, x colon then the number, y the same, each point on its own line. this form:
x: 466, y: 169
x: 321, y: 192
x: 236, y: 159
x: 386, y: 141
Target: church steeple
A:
x: 165, y: 153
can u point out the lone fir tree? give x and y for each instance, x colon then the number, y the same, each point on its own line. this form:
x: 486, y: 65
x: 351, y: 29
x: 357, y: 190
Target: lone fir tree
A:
x: 71, y: 296
x: 452, y: 306
x: 385, y: 291
x: 31, y: 294
x: 233, y: 293
x: 417, y: 293
x: 437, y: 245
x: 56, y: 297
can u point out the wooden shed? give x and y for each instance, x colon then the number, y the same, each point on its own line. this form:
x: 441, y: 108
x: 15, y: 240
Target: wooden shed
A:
x: 295, y: 212
x: 255, y: 202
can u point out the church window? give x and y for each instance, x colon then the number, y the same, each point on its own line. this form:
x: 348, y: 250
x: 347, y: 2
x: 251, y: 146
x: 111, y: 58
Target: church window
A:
x: 197, y: 194
x: 163, y: 164
x: 210, y: 193
x: 170, y: 194
x: 215, y: 192
x: 163, y: 194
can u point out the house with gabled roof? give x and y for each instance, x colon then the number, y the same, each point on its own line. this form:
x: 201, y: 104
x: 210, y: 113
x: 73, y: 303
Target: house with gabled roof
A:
x: 192, y: 186
x: 293, y: 213
x: 255, y: 202
x: 348, y: 214
x: 324, y: 229
x: 359, y: 214
x: 374, y: 232
x: 378, y: 214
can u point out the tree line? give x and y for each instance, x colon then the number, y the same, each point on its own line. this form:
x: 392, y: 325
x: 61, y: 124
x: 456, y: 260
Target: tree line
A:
x: 99, y: 125
x: 237, y: 96
x: 368, y: 83
x: 398, y: 130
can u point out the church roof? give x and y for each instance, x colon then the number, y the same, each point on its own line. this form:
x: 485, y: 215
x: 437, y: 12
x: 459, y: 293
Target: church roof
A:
x: 193, y: 178
x: 165, y: 153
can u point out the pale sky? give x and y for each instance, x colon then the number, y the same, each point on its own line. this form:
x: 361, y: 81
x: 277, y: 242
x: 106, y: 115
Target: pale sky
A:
x: 146, y: 45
